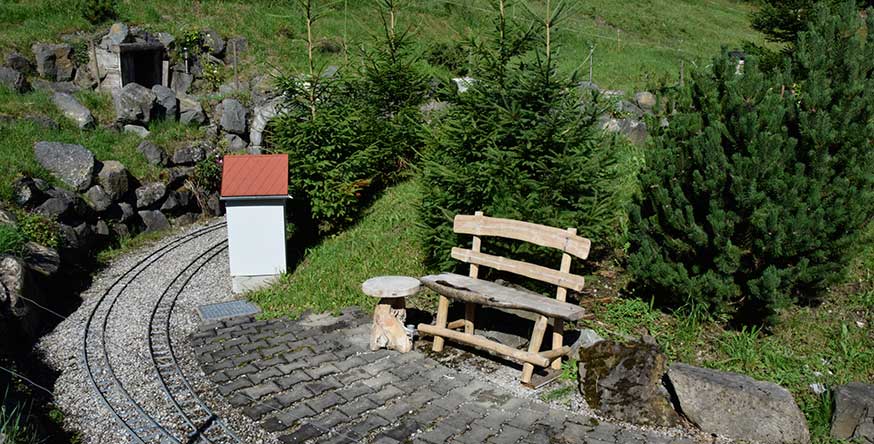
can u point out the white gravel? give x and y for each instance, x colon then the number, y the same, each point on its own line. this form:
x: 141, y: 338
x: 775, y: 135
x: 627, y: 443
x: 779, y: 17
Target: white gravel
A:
x: 128, y: 343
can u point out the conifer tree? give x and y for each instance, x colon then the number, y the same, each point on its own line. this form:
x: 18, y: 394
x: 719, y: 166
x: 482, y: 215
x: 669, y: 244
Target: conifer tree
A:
x: 759, y: 192
x: 517, y: 145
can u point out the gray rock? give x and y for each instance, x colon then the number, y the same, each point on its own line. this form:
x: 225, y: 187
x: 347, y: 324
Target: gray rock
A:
x: 42, y: 259
x: 178, y: 176
x: 101, y: 228
x: 853, y: 418
x: 166, y: 39
x: 635, y: 130
x: 588, y: 86
x: 79, y: 209
x: 238, y: 46
x: 589, y: 337
x: 234, y: 116
x: 141, y: 131
x: 14, y: 285
x: 153, y: 153
x: 126, y: 211
x: 188, y: 155
x: 119, y: 33
x: 737, y: 406
x: 120, y: 231
x: 134, y: 104
x: 53, y: 62
x: 150, y: 194
x: 186, y: 219
x: 628, y: 109
x: 235, y: 143
x: 263, y: 89
x: 175, y: 202
x: 645, y: 100
x: 213, y: 205
x: 98, y: 198
x: 623, y: 381
x: 181, y: 82
x: 72, y: 164
x: 84, y: 79
x: 213, y: 41
x: 27, y: 192
x: 7, y: 218
x: 168, y: 104
x: 73, y: 110
x: 330, y: 71
x: 113, y: 178
x: 462, y: 84
x: 190, y: 111
x: 55, y: 208
x: 82, y: 239
x: 262, y: 115
x: 55, y: 87
x: 13, y: 80
x: 154, y: 220
x: 19, y: 63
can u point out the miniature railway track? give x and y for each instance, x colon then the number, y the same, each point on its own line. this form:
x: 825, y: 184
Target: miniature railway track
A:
x: 199, y: 423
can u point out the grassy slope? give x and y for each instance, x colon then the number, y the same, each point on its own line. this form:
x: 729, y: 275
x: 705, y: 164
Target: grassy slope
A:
x: 330, y: 276
x: 634, y: 43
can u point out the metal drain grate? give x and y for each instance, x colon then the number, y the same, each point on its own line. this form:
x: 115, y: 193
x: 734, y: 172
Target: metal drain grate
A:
x: 224, y: 310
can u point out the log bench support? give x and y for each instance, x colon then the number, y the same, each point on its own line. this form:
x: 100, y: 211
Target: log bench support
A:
x: 474, y: 292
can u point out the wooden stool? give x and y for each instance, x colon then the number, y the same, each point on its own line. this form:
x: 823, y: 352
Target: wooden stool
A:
x: 391, y: 313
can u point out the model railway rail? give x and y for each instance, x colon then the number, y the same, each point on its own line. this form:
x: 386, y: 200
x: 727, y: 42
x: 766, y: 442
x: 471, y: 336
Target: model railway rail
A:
x: 194, y: 422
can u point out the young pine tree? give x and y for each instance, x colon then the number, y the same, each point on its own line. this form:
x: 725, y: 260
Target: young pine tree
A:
x: 759, y: 192
x: 517, y: 145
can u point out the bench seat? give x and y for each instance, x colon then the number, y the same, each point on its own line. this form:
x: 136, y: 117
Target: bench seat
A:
x: 478, y: 291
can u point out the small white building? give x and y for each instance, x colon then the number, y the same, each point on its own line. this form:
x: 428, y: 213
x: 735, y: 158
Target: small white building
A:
x: 255, y: 191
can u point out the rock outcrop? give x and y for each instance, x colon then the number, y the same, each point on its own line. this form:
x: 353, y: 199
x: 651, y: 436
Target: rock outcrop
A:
x: 853, y: 418
x: 73, y: 110
x: 72, y: 164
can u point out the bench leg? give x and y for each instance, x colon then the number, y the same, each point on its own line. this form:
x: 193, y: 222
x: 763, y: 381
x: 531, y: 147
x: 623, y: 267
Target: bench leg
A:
x: 534, y: 347
x: 469, y: 317
x: 442, y: 314
x: 557, y: 341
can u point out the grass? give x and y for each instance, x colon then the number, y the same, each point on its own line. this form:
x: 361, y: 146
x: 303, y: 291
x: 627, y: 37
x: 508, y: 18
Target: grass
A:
x: 330, y: 276
x: 634, y: 44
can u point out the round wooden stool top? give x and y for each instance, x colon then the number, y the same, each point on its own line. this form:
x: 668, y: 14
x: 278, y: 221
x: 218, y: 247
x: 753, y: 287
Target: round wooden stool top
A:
x: 390, y: 287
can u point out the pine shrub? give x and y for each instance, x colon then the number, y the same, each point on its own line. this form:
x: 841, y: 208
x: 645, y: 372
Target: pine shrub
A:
x: 520, y: 144
x: 758, y: 194
x: 98, y: 11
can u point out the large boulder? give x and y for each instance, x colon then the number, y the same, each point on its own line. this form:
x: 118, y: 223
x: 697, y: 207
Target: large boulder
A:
x: 235, y: 143
x: 140, y: 131
x: 98, y: 198
x: 134, y: 104
x: 853, y: 418
x: 234, y: 116
x: 13, y: 80
x: 72, y: 164
x: 55, y: 87
x: 154, y: 220
x: 190, y: 111
x: 42, y: 259
x: 181, y: 82
x: 56, y: 208
x: 645, y: 100
x: 737, y: 406
x: 168, y: 104
x: 53, y: 61
x: 113, y: 177
x: 634, y: 130
x: 623, y: 381
x: 79, y: 209
x: 73, y: 110
x: 153, y: 153
x: 150, y: 194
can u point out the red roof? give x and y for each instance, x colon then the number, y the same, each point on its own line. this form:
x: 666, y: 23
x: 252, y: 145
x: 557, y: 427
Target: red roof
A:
x: 255, y: 175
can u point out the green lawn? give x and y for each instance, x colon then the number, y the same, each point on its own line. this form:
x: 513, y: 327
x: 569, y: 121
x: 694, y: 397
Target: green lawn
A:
x: 635, y: 42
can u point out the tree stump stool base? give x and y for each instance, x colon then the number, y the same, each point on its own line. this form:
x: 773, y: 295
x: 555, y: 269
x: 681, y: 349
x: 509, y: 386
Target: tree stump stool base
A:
x: 390, y: 314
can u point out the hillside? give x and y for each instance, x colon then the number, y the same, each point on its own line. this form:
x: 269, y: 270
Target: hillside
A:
x: 634, y: 43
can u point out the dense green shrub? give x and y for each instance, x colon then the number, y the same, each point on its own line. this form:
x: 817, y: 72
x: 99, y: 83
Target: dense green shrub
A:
x: 11, y: 240
x: 758, y: 193
x: 347, y: 137
x: 208, y: 174
x: 518, y: 145
x: 98, y: 11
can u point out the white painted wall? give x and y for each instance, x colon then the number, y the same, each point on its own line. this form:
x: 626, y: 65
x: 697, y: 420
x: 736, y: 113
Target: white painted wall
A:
x: 256, y: 237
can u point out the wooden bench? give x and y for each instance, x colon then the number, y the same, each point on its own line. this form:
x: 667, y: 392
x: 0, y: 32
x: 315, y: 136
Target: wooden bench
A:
x: 474, y: 292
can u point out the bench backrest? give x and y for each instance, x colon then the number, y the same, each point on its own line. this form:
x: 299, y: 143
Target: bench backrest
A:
x: 565, y: 240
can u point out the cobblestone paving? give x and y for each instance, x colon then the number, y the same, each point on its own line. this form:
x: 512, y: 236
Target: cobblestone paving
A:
x: 315, y: 380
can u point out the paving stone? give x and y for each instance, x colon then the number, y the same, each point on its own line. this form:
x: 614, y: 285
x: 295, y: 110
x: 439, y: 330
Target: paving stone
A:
x: 331, y: 420
x: 383, y: 439
x: 264, y: 375
x: 429, y: 415
x: 508, y: 435
x: 325, y: 402
x: 395, y: 411
x: 357, y: 407
x: 267, y: 363
x: 292, y: 379
x: 257, y: 410
x: 322, y: 370
x: 350, y: 363
x: 354, y: 391
x: 297, y: 414
x: 234, y: 373
x: 237, y: 384
x: 386, y: 393
x: 261, y: 390
x: 368, y: 425
x: 295, y: 395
